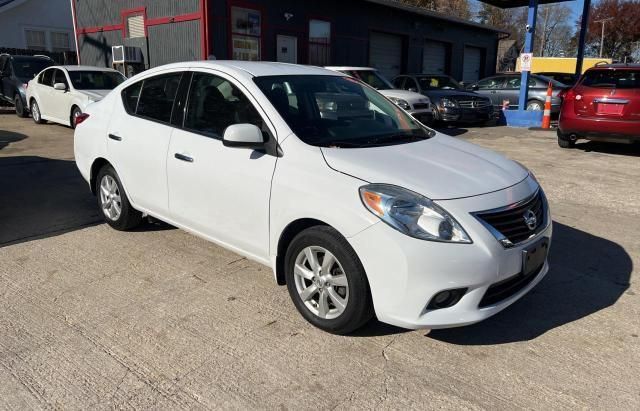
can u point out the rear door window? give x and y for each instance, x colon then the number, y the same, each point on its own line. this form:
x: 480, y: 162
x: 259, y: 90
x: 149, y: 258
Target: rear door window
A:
x: 157, y: 97
x: 130, y: 97
x: 623, y: 79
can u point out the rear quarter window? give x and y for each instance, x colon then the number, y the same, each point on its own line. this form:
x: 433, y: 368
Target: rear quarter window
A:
x: 612, y: 79
x: 130, y: 97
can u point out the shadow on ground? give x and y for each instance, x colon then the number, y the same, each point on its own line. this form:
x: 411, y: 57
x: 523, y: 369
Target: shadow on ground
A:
x: 587, y: 274
x: 8, y: 137
x: 610, y: 148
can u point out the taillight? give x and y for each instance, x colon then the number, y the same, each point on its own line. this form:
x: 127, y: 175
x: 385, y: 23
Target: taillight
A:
x: 568, y: 95
x: 563, y: 93
x: 25, y: 85
x: 81, y: 118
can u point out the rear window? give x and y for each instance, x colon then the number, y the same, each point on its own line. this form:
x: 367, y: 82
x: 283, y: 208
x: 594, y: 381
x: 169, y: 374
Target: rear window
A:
x: 26, y: 68
x: 612, y: 79
x: 95, y: 80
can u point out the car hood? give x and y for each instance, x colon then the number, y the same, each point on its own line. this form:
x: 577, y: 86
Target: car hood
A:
x: 451, y: 93
x: 95, y: 95
x: 439, y: 168
x: 408, y: 96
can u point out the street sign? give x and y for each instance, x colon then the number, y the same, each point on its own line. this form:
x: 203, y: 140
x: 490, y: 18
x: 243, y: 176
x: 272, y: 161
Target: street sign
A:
x: 525, y: 61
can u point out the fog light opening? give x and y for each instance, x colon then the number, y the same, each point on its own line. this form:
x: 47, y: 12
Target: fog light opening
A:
x: 446, y: 299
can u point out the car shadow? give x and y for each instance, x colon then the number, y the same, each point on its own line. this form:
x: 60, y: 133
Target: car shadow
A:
x: 587, y: 274
x: 451, y: 131
x: 43, y: 197
x: 610, y: 148
x: 8, y: 137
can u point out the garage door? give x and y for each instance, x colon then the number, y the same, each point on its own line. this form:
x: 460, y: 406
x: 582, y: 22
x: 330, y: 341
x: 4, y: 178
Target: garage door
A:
x: 385, y: 53
x: 471, y: 66
x: 434, y: 57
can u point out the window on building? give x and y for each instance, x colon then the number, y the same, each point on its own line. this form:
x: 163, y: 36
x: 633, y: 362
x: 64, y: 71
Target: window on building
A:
x: 215, y: 104
x: 158, y: 94
x: 60, y: 42
x: 36, y: 39
x: 319, y: 42
x: 246, y: 34
x: 135, y: 26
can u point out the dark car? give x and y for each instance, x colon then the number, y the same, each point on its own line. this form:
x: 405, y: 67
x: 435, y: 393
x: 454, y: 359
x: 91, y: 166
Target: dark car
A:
x: 604, y: 105
x: 452, y: 103
x: 506, y: 87
x: 15, y: 73
x: 565, y: 78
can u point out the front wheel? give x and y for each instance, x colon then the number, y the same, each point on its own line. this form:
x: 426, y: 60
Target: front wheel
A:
x: 35, y: 113
x: 21, y: 111
x: 327, y: 282
x: 113, y: 201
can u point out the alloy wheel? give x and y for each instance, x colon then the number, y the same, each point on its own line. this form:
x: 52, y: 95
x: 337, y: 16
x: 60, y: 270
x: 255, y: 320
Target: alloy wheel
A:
x: 35, y: 111
x: 321, y: 282
x: 110, y: 198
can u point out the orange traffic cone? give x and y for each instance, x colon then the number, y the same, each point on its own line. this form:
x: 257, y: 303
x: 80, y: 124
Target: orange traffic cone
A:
x: 546, y: 119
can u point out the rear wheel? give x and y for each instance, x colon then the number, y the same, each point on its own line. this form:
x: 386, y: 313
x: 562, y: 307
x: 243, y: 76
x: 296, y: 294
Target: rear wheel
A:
x: 113, y: 201
x: 534, y: 105
x: 327, y: 282
x: 35, y: 113
x: 20, y: 109
x: 75, y: 112
x: 564, y: 141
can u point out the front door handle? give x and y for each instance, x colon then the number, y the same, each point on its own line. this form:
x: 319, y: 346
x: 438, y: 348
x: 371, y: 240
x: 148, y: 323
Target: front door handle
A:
x: 114, y: 137
x: 183, y: 157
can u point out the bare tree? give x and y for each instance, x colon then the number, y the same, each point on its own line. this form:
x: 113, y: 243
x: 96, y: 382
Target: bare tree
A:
x: 554, y: 33
x: 457, y: 8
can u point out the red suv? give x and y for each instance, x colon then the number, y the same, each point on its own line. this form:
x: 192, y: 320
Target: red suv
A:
x: 604, y: 105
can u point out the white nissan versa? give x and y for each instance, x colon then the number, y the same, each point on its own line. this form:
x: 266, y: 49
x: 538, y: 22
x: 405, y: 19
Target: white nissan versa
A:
x: 357, y: 207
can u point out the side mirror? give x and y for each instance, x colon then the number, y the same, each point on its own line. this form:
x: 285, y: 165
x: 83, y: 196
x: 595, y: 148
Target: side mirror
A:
x: 60, y: 87
x: 474, y: 87
x: 243, y: 136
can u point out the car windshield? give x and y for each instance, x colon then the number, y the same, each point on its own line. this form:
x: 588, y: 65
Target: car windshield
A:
x: 438, y: 83
x: 612, y: 79
x: 334, y: 111
x: 95, y: 80
x: 372, y: 78
x: 26, y: 68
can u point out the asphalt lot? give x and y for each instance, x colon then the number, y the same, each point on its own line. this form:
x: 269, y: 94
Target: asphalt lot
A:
x: 157, y: 318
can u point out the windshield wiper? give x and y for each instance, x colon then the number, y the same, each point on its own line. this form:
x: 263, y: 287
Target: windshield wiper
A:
x: 395, y: 138
x: 343, y: 143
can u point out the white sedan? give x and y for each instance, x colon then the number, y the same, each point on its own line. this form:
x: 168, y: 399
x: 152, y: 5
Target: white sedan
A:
x: 357, y: 208
x: 61, y: 93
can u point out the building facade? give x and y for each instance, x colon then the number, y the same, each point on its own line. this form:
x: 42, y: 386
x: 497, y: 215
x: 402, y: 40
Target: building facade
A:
x: 380, y: 33
x: 36, y: 25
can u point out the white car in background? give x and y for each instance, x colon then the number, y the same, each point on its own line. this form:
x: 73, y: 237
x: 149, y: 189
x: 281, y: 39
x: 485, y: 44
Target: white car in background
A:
x: 356, y: 206
x: 416, y: 104
x: 61, y: 93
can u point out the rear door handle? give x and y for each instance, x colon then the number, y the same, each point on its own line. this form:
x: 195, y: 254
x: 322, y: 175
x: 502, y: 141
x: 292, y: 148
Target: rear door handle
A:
x: 183, y: 157
x: 114, y: 137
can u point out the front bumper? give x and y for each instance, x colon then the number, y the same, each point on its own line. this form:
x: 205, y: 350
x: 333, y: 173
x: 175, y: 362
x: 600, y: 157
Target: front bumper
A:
x: 405, y: 273
x: 465, y: 115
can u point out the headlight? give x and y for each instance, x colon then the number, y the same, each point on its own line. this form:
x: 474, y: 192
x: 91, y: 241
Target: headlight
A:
x: 412, y: 214
x: 403, y: 104
x: 445, y: 102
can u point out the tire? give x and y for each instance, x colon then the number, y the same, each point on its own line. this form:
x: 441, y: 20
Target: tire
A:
x: 534, y: 105
x: 35, y: 112
x: 108, y: 184
x: 75, y: 112
x: 346, y: 283
x: 20, y: 109
x: 564, y: 141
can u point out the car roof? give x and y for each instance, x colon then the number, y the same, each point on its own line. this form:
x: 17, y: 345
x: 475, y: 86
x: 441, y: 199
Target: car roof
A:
x: 249, y: 68
x: 350, y: 68
x: 616, y: 66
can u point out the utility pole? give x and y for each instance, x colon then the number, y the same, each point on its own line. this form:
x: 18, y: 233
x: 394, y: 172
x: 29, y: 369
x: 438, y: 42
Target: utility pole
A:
x: 602, y: 37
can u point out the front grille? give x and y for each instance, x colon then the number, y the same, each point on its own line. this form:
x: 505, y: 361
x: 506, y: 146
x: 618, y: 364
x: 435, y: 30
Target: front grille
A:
x: 421, y: 106
x: 509, y: 224
x: 504, y: 289
x: 474, y: 103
